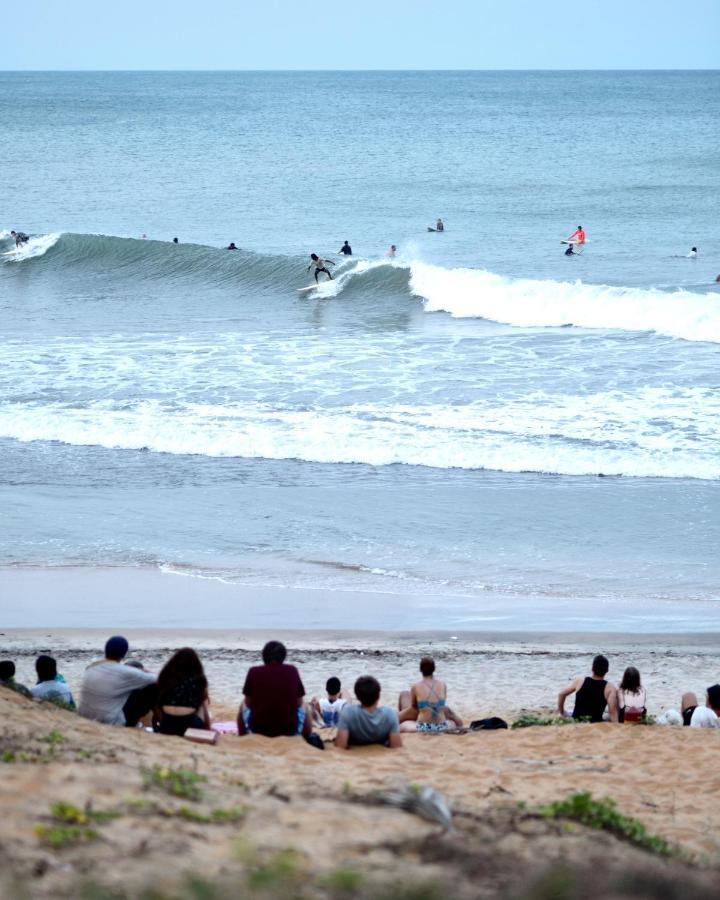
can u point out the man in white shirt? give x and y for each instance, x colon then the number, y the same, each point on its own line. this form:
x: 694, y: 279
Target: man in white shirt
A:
x: 707, y: 716
x: 114, y: 693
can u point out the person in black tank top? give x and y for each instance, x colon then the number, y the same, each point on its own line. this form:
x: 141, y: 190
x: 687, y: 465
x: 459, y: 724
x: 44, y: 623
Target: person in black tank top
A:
x: 592, y: 694
x: 590, y: 700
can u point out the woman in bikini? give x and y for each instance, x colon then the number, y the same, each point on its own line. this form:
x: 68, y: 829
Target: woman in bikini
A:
x: 424, y: 707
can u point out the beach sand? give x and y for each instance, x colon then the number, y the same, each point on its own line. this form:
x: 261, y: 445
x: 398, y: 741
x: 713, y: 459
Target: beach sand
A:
x: 308, y: 826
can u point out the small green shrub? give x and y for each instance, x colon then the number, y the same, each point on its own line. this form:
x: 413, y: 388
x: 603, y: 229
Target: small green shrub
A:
x: 8, y: 756
x: 281, y: 869
x: 342, y: 881
x: 54, y: 738
x: 58, y: 836
x: 178, y: 782
x: 527, y: 720
x: 603, y: 815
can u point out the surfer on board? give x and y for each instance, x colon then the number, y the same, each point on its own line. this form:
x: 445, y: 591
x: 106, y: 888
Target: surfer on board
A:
x: 346, y: 249
x: 439, y: 225
x: 20, y: 238
x: 577, y: 237
x: 320, y: 266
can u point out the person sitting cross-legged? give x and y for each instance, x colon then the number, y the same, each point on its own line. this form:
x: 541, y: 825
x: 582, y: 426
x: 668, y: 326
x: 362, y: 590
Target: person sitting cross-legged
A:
x: 426, y: 707
x: 273, y: 697
x: 117, y: 693
x: 368, y: 723
x: 592, y: 694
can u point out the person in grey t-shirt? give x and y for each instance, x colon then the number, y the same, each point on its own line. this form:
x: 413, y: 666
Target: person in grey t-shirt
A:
x: 114, y: 693
x: 368, y: 723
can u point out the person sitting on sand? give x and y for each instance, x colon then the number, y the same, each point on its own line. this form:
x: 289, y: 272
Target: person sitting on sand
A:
x: 115, y: 693
x: 708, y: 716
x: 50, y: 685
x: 593, y: 694
x: 368, y: 723
x: 7, y: 678
x: 273, y: 697
x: 631, y: 697
x: 688, y: 705
x: 182, y: 694
x: 425, y: 704
x: 327, y: 710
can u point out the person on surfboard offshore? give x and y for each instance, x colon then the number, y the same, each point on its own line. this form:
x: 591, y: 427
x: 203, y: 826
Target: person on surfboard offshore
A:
x: 346, y: 249
x: 20, y: 238
x: 320, y: 266
x: 578, y: 236
x: 439, y: 225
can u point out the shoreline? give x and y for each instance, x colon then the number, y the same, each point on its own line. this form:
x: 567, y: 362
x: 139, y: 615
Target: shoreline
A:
x: 90, y: 597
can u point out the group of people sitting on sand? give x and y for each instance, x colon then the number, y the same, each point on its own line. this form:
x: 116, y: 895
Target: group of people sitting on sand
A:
x: 117, y: 691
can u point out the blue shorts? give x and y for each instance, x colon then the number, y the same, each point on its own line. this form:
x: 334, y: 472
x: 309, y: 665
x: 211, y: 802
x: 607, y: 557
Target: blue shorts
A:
x: 300, y: 719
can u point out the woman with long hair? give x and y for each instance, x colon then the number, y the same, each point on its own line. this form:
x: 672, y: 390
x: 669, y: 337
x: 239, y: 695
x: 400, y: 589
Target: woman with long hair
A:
x: 632, y: 697
x: 182, y: 694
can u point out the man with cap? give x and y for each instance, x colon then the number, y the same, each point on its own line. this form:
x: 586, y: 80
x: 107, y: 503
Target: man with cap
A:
x: 116, y: 693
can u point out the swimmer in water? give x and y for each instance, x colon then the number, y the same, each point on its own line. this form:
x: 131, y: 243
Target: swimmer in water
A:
x: 20, y: 238
x: 570, y: 251
x: 392, y: 251
x: 320, y: 266
x: 693, y: 253
x: 346, y: 249
x: 439, y: 225
x: 232, y: 246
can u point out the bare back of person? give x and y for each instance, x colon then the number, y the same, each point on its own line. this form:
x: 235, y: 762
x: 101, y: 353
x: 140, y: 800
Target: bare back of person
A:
x: 429, y: 697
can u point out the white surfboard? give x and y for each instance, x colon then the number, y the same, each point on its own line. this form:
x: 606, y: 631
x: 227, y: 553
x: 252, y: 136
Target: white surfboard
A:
x: 575, y: 243
x: 10, y: 253
x: 310, y: 287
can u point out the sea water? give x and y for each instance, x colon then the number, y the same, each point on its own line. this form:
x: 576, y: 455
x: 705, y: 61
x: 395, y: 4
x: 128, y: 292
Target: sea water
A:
x: 480, y: 416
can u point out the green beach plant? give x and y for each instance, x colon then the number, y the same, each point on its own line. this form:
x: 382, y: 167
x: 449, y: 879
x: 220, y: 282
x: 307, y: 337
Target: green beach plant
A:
x: 604, y: 816
x: 178, y: 782
x: 528, y: 720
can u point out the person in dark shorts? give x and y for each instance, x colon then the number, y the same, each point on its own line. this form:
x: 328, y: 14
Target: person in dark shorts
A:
x: 182, y: 694
x: 346, y: 249
x: 688, y: 706
x: 320, y: 265
x: 592, y: 694
x: 273, y: 697
x: 20, y: 238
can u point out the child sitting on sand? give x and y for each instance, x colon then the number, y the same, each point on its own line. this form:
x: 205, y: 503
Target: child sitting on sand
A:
x: 50, y: 685
x: 327, y: 710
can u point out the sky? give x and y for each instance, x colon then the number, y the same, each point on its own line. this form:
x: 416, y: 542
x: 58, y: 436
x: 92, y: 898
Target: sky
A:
x: 361, y: 34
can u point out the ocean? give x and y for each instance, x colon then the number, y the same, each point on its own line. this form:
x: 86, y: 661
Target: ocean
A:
x: 480, y: 418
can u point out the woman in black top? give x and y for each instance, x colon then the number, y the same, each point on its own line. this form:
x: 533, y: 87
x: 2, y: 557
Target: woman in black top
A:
x: 182, y: 694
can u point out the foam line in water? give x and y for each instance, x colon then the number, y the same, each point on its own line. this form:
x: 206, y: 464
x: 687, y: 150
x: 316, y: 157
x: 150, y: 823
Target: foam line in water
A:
x: 613, y: 433
x: 36, y: 246
x: 531, y: 303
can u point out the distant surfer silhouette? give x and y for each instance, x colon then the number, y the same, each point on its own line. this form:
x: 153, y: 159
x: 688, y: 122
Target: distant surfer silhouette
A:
x: 439, y: 225
x: 346, y: 249
x: 231, y: 246
x: 693, y: 253
x: 392, y: 251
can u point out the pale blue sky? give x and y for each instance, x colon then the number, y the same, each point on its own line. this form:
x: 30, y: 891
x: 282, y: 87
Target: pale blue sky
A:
x: 367, y: 34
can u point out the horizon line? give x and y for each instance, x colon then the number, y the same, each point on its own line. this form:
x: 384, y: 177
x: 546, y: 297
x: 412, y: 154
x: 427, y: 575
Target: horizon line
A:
x: 352, y: 70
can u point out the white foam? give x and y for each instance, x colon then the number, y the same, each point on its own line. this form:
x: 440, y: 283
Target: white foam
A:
x: 36, y: 246
x: 661, y: 432
x: 533, y: 303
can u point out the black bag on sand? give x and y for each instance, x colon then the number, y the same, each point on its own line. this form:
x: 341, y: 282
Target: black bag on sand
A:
x: 488, y: 724
x: 316, y: 741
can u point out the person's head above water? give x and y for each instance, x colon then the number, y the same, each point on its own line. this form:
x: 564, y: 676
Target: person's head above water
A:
x: 693, y: 249
x: 13, y: 233
x: 116, y: 648
x: 175, y: 241
x: 231, y: 246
